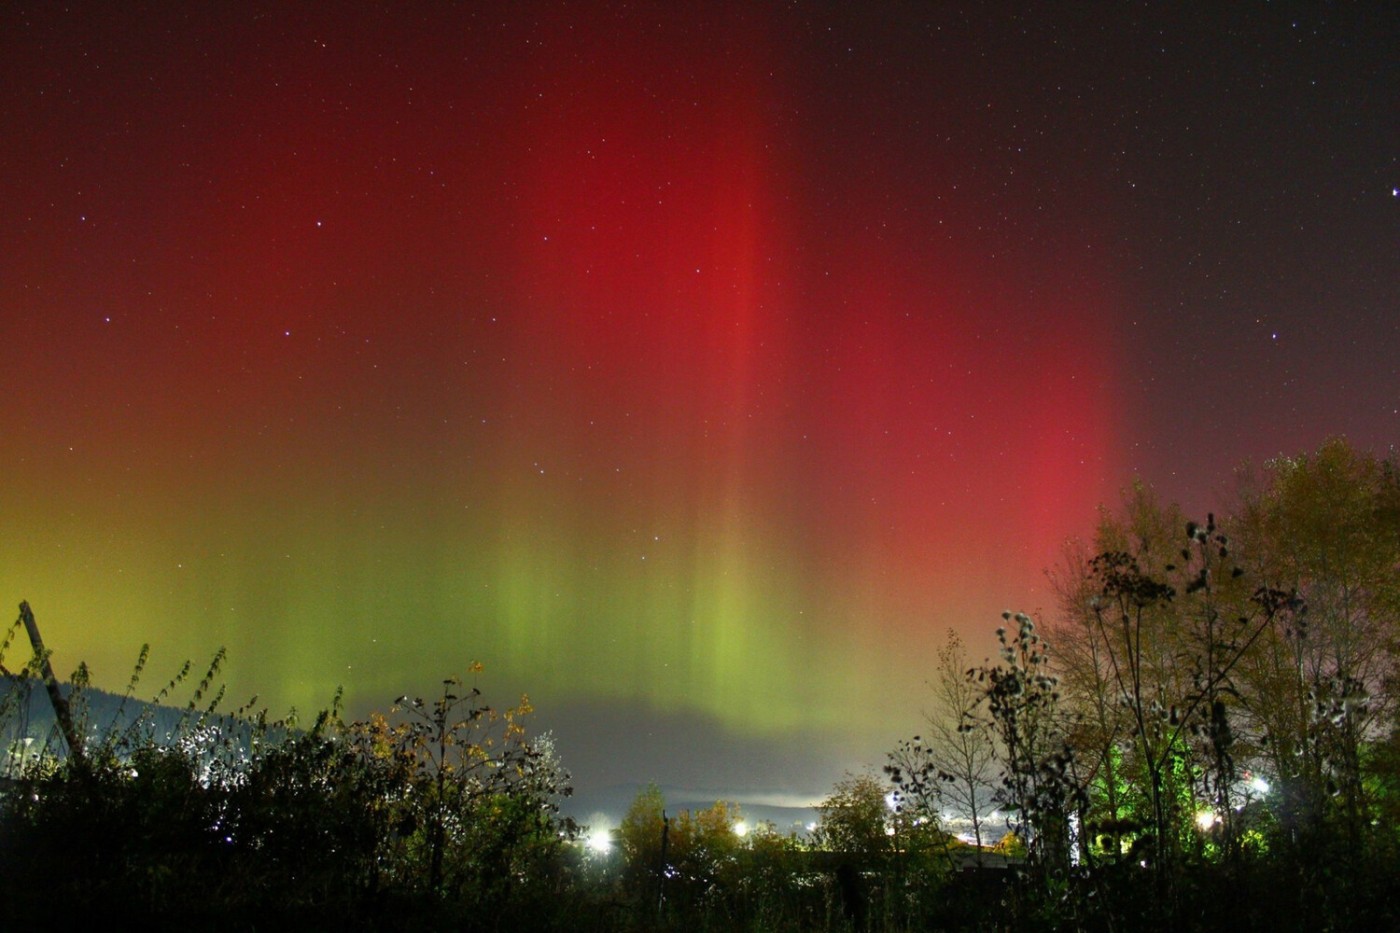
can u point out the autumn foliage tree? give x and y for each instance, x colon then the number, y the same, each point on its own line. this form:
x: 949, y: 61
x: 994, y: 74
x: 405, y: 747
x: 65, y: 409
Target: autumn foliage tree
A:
x: 686, y: 862
x: 1229, y: 682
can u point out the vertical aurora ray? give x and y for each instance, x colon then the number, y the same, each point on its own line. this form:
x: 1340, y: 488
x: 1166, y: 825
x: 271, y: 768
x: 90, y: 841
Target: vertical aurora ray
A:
x: 654, y: 222
x: 587, y: 363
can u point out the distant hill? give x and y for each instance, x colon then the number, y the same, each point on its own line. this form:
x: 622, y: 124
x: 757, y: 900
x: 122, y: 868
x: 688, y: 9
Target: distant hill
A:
x: 27, y: 714
x: 611, y: 804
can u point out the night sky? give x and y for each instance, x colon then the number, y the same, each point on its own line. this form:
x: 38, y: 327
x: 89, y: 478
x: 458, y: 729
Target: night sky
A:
x: 694, y: 367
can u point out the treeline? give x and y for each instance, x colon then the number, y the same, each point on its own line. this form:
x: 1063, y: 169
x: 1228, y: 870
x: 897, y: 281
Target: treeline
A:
x: 440, y: 815
x: 1213, y: 741
x: 862, y: 865
x: 1202, y: 735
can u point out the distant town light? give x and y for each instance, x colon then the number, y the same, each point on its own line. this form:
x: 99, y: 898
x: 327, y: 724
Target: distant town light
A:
x: 599, y: 841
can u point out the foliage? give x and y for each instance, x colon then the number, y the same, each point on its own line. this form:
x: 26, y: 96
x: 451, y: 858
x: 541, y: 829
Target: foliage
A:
x: 1229, y: 694
x: 855, y: 818
x: 683, y: 864
x: 1218, y: 717
x: 890, y: 861
x: 442, y: 814
x: 1039, y: 786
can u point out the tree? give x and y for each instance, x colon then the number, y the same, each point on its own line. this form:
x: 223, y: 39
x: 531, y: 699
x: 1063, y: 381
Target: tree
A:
x: 855, y: 817
x: 1039, y: 787
x: 644, y: 837
x: 1326, y: 524
x: 1099, y: 722
x: 703, y: 867
x: 1211, y: 626
x: 679, y: 864
x: 952, y: 764
x: 1241, y: 674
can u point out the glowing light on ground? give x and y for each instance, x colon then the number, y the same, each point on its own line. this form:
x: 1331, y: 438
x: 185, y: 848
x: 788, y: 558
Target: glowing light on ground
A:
x: 599, y: 840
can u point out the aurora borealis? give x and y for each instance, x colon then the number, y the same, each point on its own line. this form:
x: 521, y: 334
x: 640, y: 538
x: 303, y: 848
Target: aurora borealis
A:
x: 683, y: 367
